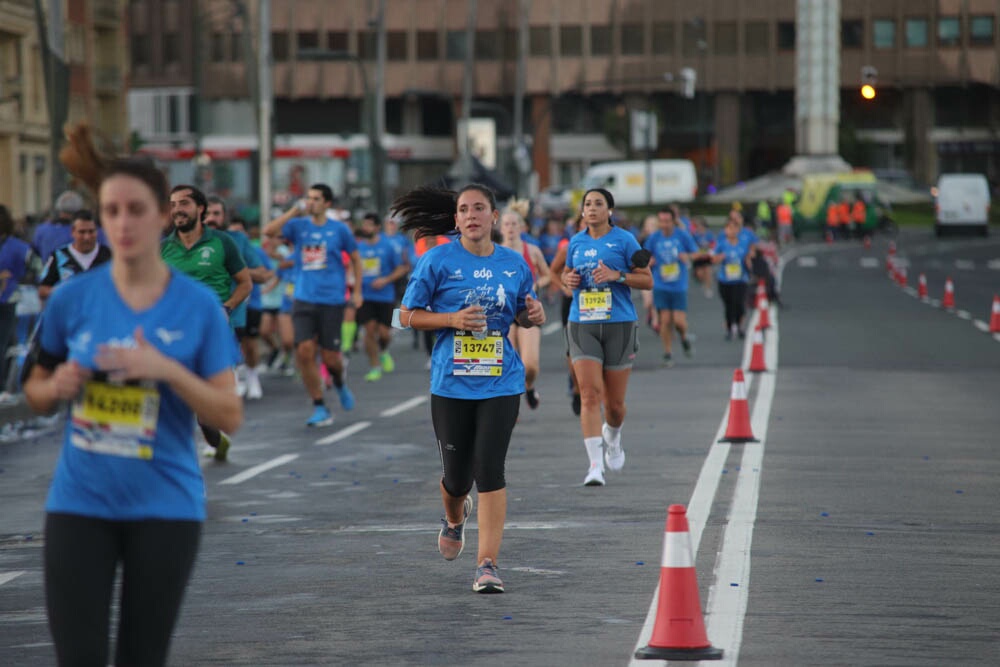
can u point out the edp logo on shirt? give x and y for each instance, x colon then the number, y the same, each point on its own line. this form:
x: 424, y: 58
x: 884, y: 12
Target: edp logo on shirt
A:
x: 482, y: 273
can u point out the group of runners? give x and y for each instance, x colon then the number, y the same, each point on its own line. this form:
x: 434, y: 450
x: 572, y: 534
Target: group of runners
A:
x: 142, y: 347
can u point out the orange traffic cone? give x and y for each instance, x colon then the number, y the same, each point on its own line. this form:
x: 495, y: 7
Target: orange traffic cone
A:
x: 949, y: 294
x: 679, y: 631
x: 922, y: 286
x: 738, y: 429
x: 757, y: 364
x: 763, y: 307
x: 868, y: 242
x: 901, y: 276
x: 829, y: 236
x: 892, y: 253
x: 995, y: 316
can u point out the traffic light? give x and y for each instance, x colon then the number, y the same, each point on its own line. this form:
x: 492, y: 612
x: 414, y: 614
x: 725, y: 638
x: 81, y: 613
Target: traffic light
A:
x: 869, y: 77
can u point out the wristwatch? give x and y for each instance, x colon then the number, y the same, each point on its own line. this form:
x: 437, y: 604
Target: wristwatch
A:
x: 621, y: 277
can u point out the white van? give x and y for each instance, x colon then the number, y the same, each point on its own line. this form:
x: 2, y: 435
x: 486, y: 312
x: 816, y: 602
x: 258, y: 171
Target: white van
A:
x: 673, y: 181
x: 963, y: 202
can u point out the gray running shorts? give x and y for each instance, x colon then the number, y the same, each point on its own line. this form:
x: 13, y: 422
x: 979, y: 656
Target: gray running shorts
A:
x: 613, y: 344
x: 318, y: 321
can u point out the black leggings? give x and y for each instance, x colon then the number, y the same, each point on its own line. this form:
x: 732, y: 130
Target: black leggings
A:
x: 733, y: 295
x: 81, y: 556
x: 473, y: 436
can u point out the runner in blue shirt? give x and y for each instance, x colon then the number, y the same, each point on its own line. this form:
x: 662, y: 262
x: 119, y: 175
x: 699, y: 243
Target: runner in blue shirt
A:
x: 470, y: 292
x: 671, y: 248
x: 320, y: 293
x: 603, y: 264
x: 732, y: 254
x: 382, y: 264
x: 138, y: 351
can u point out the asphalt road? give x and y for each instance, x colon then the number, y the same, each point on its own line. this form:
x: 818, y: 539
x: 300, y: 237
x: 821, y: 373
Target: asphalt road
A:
x: 862, y: 530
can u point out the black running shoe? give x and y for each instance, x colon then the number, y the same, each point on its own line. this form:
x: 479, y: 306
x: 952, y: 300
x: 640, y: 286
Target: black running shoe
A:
x: 576, y: 404
x: 531, y: 396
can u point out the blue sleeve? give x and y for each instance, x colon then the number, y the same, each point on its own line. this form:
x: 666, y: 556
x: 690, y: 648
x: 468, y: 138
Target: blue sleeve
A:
x: 290, y: 230
x: 631, y: 247
x: 527, y: 287
x: 52, y: 325
x: 421, y: 286
x: 264, y: 259
x: 569, y: 255
x: 218, y: 348
x: 347, y: 239
x: 249, y: 252
x: 689, y: 243
x: 648, y: 243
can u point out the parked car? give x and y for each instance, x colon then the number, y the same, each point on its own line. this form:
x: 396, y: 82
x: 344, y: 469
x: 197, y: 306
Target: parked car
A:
x: 963, y: 203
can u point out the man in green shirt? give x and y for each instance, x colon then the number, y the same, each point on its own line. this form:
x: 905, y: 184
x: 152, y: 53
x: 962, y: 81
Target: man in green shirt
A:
x: 211, y: 258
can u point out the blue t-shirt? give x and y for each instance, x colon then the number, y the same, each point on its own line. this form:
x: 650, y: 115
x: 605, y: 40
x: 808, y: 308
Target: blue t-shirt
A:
x: 248, y: 251
x: 129, y: 452
x: 733, y: 268
x: 670, y: 274
x: 549, y: 243
x: 15, y: 257
x: 704, y: 239
x: 449, y: 278
x: 749, y: 235
x: 379, y: 258
x: 615, y: 249
x: 404, y: 246
x: 255, y: 301
x: 319, y: 269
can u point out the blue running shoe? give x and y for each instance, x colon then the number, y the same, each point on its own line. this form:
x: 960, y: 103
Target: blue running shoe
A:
x: 487, y: 578
x: 346, y: 398
x: 320, y: 417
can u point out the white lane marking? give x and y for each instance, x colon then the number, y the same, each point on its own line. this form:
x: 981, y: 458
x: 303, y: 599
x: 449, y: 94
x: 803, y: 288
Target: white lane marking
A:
x: 807, y: 262
x: 993, y: 264
x: 909, y: 290
x: 403, y: 407
x: 258, y: 469
x: 963, y: 314
x: 982, y: 326
x: 965, y: 265
x: 343, y: 433
x: 934, y: 302
x: 869, y: 262
x: 551, y: 328
x: 10, y: 576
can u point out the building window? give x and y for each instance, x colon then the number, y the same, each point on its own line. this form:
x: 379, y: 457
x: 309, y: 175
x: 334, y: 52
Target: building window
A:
x: 336, y: 41
x: 307, y: 40
x: 694, y: 39
x: 981, y: 30
x: 725, y: 41
x: 540, y: 40
x: 279, y: 46
x: 633, y: 39
x: 510, y: 42
x: 427, y: 45
x: 454, y: 48
x: 218, y: 49
x: 852, y: 34
x: 884, y: 34
x: 916, y: 33
x: 236, y: 45
x: 600, y: 40
x: 786, y: 35
x: 396, y: 47
x: 756, y: 37
x: 487, y: 45
x: 140, y: 49
x: 663, y: 38
x: 949, y: 31
x: 570, y: 41
x: 171, y: 49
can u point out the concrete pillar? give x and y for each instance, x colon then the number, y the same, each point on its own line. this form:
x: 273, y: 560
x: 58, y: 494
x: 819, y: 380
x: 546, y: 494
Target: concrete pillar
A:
x: 541, y: 150
x: 817, y: 76
x: 921, y: 117
x: 727, y: 138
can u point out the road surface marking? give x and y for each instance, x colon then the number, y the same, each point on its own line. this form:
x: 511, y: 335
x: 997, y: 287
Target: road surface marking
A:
x: 869, y: 263
x: 343, y: 433
x: 965, y: 265
x: 993, y: 264
x: 982, y: 326
x: 963, y: 314
x: 807, y: 262
x: 404, y: 406
x: 10, y: 576
x: 258, y: 469
x: 551, y: 328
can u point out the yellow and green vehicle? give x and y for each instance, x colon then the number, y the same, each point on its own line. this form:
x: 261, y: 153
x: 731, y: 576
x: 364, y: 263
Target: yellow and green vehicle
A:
x: 818, y: 190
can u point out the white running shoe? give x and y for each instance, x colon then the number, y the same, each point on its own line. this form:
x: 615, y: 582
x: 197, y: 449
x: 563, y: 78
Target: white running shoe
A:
x: 614, y: 455
x: 595, y: 477
x: 254, y: 391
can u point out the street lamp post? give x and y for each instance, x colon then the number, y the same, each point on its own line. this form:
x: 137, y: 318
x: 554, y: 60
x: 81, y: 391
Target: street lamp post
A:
x: 370, y: 126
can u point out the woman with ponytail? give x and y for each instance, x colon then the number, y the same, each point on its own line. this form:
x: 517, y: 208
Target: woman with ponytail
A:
x: 470, y: 292
x: 133, y: 352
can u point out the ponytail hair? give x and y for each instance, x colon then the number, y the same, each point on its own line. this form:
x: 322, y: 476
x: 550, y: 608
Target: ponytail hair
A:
x: 430, y: 211
x: 519, y: 207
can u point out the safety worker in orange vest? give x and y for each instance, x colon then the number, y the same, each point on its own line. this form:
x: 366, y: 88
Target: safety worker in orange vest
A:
x: 783, y: 214
x: 845, y: 219
x: 859, y: 213
x: 832, y: 219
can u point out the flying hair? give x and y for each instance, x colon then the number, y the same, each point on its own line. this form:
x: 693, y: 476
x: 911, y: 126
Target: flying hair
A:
x: 430, y: 211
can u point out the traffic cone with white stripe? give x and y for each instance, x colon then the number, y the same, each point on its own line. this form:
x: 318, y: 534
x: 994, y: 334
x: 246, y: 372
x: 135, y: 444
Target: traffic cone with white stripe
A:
x: 763, y: 307
x: 738, y: 428
x: 922, y: 286
x: 679, y: 631
x: 757, y: 364
x: 949, y: 294
x: 995, y: 316
x: 890, y: 255
x: 868, y: 242
x: 901, y: 276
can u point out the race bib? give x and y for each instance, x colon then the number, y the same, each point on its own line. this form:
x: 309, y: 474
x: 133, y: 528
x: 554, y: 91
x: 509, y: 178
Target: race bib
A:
x: 733, y: 271
x: 115, y: 419
x: 371, y: 267
x: 595, y: 305
x: 478, y: 356
x: 289, y: 289
x: 670, y: 272
x: 314, y: 257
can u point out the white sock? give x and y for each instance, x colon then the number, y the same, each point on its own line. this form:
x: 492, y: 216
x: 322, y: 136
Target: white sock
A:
x: 595, y: 450
x: 252, y: 374
x: 613, y: 434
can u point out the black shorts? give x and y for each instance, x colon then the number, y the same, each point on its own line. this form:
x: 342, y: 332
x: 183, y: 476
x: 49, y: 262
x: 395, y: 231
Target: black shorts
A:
x: 318, y: 321
x: 701, y: 261
x: 252, y: 328
x: 380, y: 311
x: 473, y: 436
